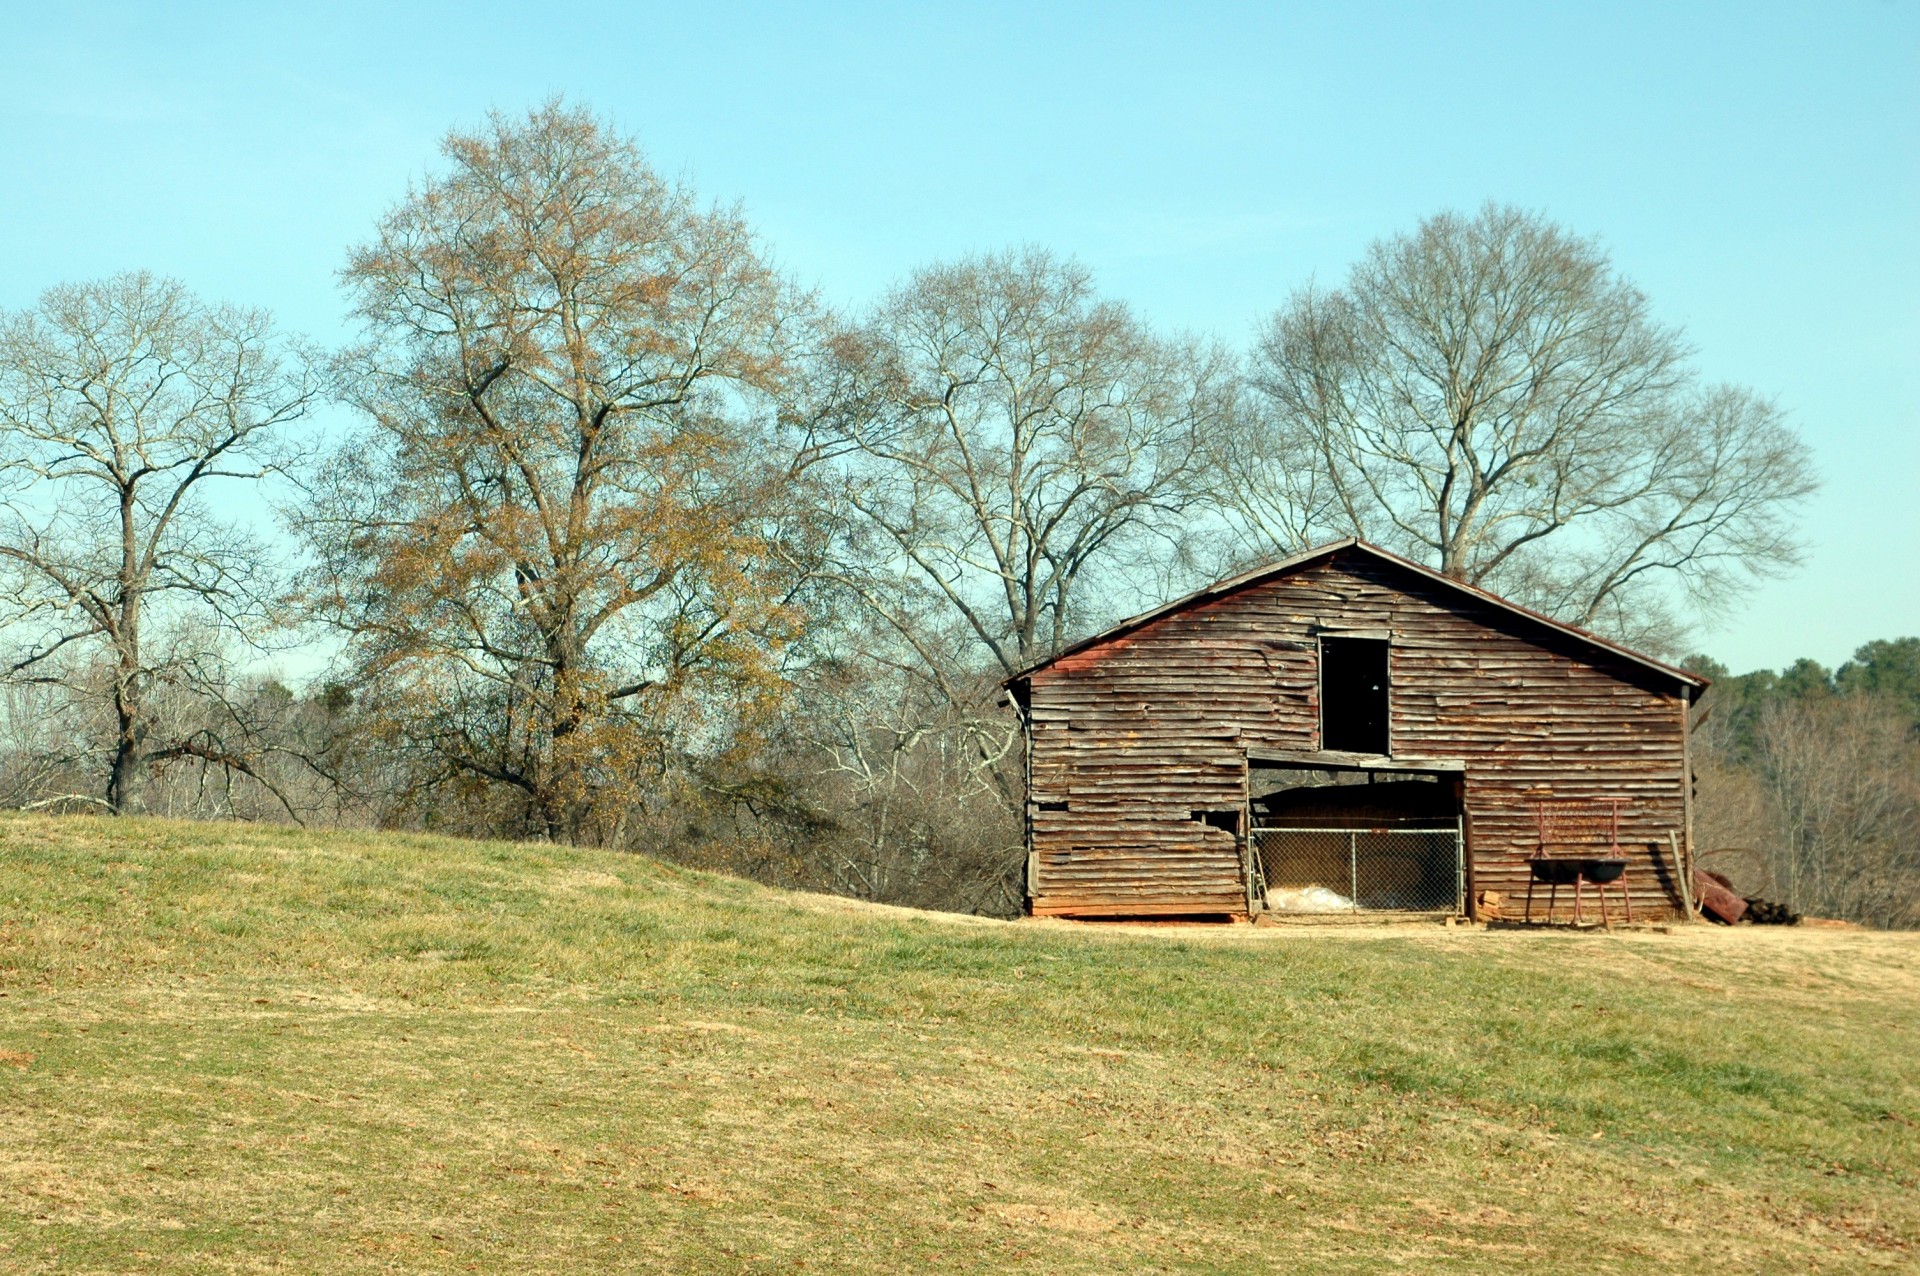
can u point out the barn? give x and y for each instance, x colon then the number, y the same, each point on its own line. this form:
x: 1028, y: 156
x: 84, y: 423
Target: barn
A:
x: 1348, y: 732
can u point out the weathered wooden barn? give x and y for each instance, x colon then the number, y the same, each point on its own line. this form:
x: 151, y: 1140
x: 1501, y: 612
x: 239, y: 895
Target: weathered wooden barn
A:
x: 1345, y: 731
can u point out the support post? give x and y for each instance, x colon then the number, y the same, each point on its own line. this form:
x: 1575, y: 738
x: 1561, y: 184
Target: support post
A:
x: 1459, y: 864
x: 1683, y: 845
x: 1682, y: 877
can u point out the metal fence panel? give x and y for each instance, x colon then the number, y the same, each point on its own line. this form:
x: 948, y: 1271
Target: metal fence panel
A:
x: 1321, y: 870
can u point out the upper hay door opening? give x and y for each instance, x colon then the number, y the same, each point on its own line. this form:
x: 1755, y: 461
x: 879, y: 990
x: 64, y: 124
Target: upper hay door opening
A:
x: 1354, y: 695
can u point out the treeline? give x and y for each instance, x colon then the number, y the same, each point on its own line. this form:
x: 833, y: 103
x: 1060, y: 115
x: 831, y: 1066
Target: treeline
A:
x: 1809, y: 782
x: 631, y: 540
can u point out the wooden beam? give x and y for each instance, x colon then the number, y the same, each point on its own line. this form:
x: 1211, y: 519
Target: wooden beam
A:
x: 1329, y: 760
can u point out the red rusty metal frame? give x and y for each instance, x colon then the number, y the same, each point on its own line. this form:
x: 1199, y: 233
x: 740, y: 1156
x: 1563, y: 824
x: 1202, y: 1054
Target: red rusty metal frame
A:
x: 1579, y: 823
x: 1592, y: 823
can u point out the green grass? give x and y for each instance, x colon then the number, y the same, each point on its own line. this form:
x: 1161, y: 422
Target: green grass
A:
x: 235, y: 1048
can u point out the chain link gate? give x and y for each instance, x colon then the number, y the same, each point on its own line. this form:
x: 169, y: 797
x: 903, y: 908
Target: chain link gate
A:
x: 1322, y: 870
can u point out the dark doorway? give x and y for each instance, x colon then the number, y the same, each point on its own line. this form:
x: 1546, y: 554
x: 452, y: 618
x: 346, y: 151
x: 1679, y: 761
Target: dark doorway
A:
x: 1353, y: 695
x: 1354, y: 841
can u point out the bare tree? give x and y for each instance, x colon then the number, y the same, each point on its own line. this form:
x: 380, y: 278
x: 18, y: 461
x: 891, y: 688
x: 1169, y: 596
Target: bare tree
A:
x: 918, y: 773
x: 1005, y: 458
x: 1014, y: 441
x: 553, y: 548
x: 124, y: 406
x: 1489, y: 396
x: 51, y: 745
x: 1842, y: 775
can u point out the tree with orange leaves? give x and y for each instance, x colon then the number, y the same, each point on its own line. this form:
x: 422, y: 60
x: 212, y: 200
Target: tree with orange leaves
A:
x: 554, y: 547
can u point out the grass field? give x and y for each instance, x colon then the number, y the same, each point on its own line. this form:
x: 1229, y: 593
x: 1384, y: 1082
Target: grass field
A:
x: 232, y: 1048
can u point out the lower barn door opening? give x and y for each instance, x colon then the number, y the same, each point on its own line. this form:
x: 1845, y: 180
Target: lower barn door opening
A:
x: 1330, y: 872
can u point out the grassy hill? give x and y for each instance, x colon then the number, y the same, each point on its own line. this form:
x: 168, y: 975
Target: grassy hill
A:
x: 254, y: 1049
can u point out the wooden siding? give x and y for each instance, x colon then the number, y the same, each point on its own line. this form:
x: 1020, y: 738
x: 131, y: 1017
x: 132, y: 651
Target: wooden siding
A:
x: 1130, y: 737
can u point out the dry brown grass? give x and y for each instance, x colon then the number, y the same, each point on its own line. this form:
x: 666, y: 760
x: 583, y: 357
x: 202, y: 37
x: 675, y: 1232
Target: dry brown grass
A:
x: 251, y: 1049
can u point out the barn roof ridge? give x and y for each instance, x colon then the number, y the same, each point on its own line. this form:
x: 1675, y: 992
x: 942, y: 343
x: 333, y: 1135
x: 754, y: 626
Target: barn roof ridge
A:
x: 1281, y: 567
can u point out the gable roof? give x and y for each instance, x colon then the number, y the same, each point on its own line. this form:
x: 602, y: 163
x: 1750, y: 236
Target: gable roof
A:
x: 1692, y: 682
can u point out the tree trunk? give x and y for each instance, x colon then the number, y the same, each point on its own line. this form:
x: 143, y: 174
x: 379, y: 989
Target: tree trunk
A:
x: 130, y: 739
x: 560, y: 795
x: 129, y: 711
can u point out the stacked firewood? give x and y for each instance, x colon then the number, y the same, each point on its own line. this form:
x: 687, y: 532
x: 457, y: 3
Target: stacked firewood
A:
x: 1763, y: 912
x: 1721, y: 903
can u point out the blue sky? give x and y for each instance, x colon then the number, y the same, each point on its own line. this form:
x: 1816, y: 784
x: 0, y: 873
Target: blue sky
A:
x: 1755, y: 168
